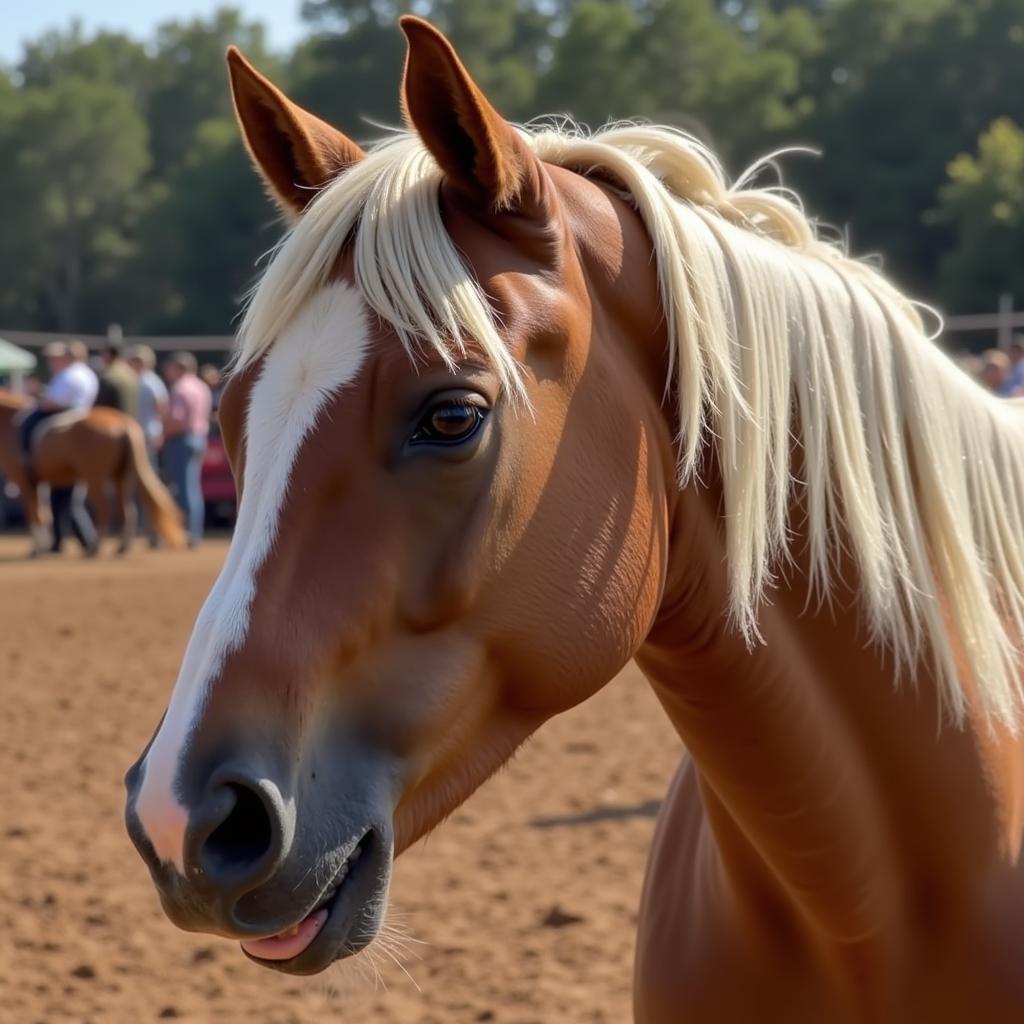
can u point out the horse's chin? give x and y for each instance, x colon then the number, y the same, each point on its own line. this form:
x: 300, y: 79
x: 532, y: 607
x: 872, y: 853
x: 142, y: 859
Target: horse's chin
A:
x: 355, y: 912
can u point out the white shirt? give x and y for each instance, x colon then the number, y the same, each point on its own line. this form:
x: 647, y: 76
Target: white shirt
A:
x: 152, y: 394
x: 74, y: 387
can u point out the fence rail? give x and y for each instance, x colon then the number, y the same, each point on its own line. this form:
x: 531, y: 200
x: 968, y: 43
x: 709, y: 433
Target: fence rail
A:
x: 1004, y: 322
x: 35, y: 341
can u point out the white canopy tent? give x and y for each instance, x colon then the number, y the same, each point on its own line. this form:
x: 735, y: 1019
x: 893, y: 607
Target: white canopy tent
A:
x: 15, y: 363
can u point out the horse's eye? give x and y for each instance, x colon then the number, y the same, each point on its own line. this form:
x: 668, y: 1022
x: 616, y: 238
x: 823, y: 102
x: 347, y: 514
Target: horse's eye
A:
x: 449, y: 422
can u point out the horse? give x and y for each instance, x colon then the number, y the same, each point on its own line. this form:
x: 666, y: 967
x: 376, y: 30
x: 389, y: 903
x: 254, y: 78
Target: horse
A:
x: 512, y: 406
x: 98, y: 447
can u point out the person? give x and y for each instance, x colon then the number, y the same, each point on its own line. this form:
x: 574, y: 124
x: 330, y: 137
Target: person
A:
x: 1013, y: 384
x: 72, y: 385
x: 214, y: 380
x: 186, y: 427
x: 119, y: 386
x: 152, y: 410
x: 995, y: 370
x: 152, y: 398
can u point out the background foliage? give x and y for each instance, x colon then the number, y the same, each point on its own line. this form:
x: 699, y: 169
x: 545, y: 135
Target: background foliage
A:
x: 125, y: 194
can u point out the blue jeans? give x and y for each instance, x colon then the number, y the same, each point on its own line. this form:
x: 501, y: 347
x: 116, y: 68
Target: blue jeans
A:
x: 183, y: 460
x: 28, y: 425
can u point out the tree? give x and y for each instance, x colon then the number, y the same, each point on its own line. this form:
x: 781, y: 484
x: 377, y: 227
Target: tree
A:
x: 190, y: 81
x: 201, y: 236
x: 903, y: 86
x: 349, y: 71
x: 680, y: 61
x: 740, y: 80
x: 351, y: 79
x: 105, y: 57
x: 503, y: 42
x: 983, y: 203
x: 76, y: 153
x: 125, y: 192
x: 594, y: 67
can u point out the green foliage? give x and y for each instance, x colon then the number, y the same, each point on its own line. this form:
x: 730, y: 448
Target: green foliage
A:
x: 742, y: 84
x: 214, y: 221
x: 76, y: 152
x: 126, y: 195
x: 902, y: 86
x: 732, y: 81
x: 983, y: 202
x: 351, y: 79
x: 106, y: 57
x: 349, y: 70
x: 594, y: 62
x: 100, y: 214
x: 189, y: 84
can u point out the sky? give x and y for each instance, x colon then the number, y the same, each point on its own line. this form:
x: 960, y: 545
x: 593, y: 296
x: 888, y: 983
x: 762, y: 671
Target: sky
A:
x: 26, y: 19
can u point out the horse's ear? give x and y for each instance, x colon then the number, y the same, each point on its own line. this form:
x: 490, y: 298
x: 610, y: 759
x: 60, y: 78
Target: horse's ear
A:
x: 479, y: 151
x: 294, y: 151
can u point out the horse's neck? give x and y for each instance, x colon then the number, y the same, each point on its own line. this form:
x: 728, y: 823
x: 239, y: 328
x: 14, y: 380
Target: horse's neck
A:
x: 12, y: 464
x: 819, y: 775
x: 10, y: 406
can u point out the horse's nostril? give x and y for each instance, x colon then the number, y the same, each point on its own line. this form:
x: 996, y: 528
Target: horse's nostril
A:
x: 242, y: 839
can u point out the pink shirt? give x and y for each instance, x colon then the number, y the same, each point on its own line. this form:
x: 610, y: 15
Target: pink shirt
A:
x: 189, y: 405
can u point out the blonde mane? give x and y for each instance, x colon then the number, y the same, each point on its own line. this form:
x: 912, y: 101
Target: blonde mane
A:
x: 776, y: 337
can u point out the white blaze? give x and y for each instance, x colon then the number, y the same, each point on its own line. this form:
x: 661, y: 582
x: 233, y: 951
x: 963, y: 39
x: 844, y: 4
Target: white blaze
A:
x: 318, y: 354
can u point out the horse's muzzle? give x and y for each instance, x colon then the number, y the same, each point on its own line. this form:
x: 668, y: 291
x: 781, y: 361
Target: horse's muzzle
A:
x: 298, y: 899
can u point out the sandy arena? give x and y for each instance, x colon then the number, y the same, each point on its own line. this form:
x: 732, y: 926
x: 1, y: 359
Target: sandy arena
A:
x: 522, y: 906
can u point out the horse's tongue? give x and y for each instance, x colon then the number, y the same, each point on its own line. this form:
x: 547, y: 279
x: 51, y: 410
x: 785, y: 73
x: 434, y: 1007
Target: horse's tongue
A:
x: 290, y: 943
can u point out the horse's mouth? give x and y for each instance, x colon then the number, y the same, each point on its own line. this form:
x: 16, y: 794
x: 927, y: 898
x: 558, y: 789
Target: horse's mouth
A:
x: 344, y: 920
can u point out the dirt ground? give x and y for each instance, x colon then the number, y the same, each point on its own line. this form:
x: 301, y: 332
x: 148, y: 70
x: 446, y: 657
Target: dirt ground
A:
x: 523, y: 905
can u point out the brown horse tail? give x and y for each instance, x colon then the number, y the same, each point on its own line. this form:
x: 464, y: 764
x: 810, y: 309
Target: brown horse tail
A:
x: 160, y: 507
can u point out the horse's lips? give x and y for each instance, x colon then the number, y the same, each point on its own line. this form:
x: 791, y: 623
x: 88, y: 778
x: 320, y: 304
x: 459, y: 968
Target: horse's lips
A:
x: 291, y: 943
x: 296, y: 940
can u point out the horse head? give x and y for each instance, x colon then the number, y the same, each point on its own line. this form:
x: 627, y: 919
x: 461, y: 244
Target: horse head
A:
x: 455, y: 481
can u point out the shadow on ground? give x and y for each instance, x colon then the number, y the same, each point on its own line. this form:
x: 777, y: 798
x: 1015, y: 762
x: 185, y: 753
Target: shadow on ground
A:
x: 648, y: 809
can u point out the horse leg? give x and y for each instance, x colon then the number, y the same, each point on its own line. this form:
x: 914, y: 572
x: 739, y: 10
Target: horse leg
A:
x: 20, y: 466
x: 129, y: 513
x: 42, y: 536
x: 100, y: 500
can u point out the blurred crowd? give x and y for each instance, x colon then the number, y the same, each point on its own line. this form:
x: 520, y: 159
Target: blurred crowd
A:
x: 1001, y: 372
x: 176, y: 404
x: 175, y: 408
